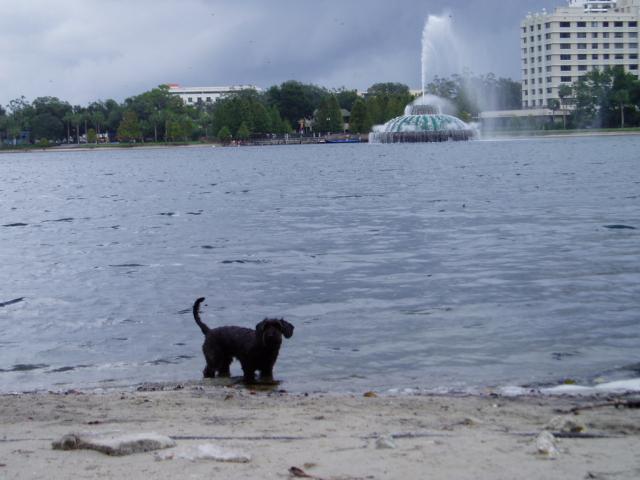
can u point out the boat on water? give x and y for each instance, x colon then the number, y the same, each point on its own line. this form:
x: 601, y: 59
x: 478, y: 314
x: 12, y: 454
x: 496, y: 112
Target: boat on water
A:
x: 342, y: 140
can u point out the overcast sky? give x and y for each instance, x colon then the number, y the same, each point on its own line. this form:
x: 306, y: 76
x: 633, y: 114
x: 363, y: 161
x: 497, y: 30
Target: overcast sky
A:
x: 85, y: 50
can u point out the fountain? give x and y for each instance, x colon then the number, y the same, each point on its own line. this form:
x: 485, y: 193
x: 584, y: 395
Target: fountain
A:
x: 424, y: 120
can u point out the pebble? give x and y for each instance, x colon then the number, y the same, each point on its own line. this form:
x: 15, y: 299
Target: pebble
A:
x: 565, y: 425
x: 385, y: 442
x: 546, y: 445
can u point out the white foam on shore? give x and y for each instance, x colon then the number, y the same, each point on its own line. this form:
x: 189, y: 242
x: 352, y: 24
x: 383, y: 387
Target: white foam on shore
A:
x: 618, y: 387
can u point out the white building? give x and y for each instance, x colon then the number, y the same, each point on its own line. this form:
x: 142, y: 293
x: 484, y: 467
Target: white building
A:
x: 205, y: 95
x: 559, y: 47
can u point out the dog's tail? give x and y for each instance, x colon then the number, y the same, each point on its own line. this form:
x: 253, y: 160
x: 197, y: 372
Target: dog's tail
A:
x: 196, y: 315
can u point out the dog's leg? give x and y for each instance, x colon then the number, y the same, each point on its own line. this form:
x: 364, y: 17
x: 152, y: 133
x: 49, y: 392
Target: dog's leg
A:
x: 267, y: 375
x: 249, y: 373
x: 223, y: 366
x: 209, y: 372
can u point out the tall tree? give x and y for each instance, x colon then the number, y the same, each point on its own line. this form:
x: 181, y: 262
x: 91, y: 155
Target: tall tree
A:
x: 295, y: 100
x: 129, y: 129
x: 360, y: 121
x: 564, y: 93
x: 329, y: 116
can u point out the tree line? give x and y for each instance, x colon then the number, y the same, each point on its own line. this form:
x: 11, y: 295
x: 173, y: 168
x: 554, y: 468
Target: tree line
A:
x: 607, y: 98
x: 159, y: 116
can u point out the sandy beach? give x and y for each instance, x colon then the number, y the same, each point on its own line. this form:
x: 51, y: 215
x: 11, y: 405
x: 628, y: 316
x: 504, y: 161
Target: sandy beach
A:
x: 364, y: 436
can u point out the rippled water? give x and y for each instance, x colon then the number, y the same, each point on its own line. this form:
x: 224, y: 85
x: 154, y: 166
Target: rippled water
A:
x: 439, y: 265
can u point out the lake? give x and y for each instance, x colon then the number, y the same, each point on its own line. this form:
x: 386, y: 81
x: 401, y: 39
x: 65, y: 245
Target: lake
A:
x: 438, y: 267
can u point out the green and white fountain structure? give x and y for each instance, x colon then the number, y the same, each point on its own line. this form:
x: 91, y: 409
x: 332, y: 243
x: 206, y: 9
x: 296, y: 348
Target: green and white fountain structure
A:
x: 422, y: 123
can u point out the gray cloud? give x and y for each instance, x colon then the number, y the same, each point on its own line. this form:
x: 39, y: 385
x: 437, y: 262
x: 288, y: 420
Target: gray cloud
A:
x: 84, y: 51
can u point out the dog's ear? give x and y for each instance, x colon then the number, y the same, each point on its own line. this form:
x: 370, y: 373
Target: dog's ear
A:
x: 286, y: 328
x: 260, y: 329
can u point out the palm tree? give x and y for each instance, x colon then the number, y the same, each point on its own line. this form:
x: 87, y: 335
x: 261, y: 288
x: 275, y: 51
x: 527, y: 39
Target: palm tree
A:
x: 564, y: 92
x: 553, y: 104
x: 622, y: 98
x: 68, y: 119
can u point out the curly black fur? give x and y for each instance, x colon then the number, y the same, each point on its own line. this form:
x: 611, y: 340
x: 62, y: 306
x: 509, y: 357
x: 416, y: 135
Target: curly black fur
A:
x: 257, y: 350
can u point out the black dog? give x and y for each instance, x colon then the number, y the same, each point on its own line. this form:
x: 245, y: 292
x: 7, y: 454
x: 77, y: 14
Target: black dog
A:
x: 255, y: 349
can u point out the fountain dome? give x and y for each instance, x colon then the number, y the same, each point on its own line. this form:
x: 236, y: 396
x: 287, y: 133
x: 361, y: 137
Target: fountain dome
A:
x: 422, y: 123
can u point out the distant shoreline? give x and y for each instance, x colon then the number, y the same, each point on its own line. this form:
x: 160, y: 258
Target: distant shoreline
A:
x: 557, y: 134
x: 528, y: 135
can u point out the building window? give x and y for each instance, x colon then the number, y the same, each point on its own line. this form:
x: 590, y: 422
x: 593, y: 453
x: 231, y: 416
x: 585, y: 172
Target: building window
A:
x: 582, y: 56
x: 618, y: 24
x: 565, y: 35
x: 539, y: 26
x: 565, y: 24
x: 582, y: 68
x: 619, y: 56
x: 582, y: 24
x: 633, y: 46
x: 533, y: 81
x: 548, y: 68
x: 605, y: 35
x: 582, y: 46
x: 633, y: 67
x: 190, y: 100
x: 549, y: 90
x: 633, y: 24
x: 594, y: 35
x: 619, y: 45
x: 605, y: 56
x: 565, y: 79
x: 565, y: 46
x: 582, y: 34
x: 531, y: 28
x: 547, y: 47
x: 633, y: 56
x: 633, y: 34
x: 524, y: 60
x: 594, y: 24
x: 605, y: 45
x: 605, y: 24
x: 524, y: 29
x: 565, y: 57
x: 594, y: 46
x: 548, y: 58
x: 565, y: 68
x: 547, y: 36
x: 618, y: 35
x: 549, y: 79
x: 547, y: 25
x: 594, y: 56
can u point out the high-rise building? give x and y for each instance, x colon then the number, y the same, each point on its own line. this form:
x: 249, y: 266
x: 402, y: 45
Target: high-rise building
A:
x: 559, y: 47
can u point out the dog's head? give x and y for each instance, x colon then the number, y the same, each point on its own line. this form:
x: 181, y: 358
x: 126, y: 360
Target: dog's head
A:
x: 269, y: 331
